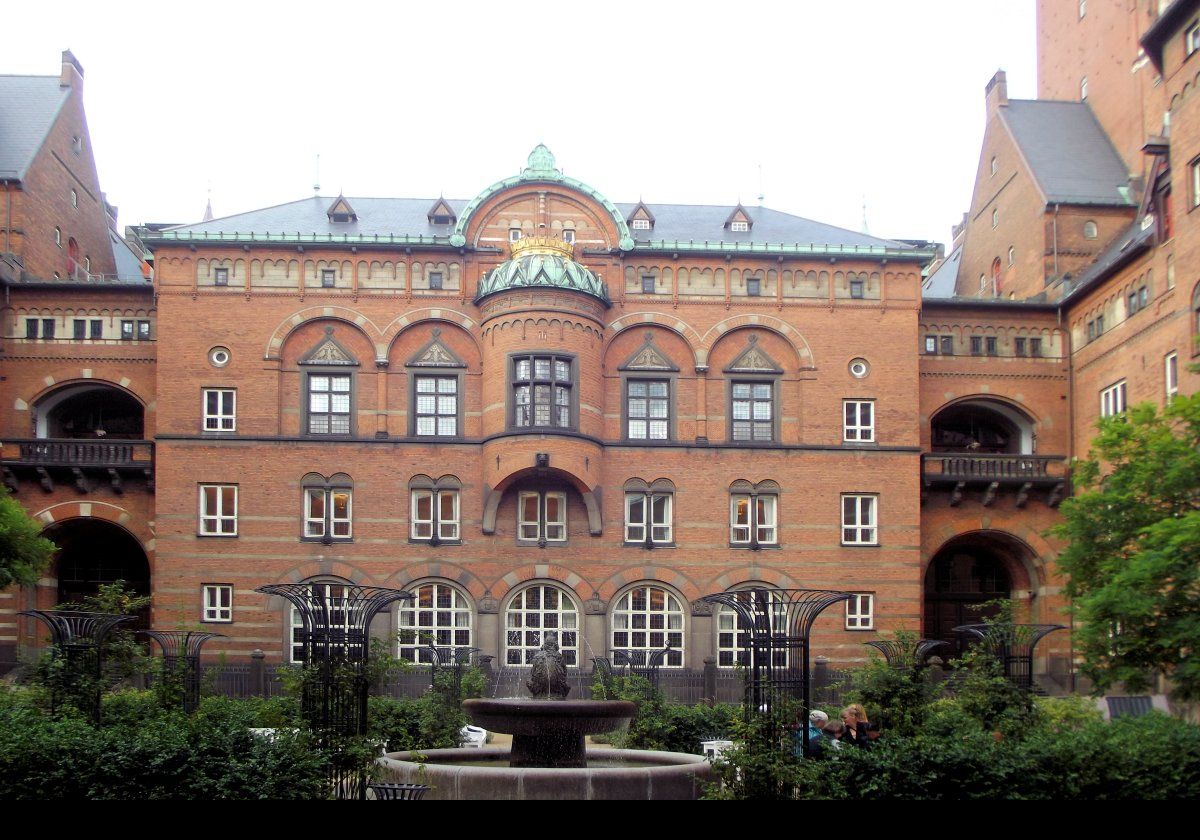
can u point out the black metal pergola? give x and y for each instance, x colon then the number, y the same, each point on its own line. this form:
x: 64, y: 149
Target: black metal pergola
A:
x: 902, y: 654
x: 78, y: 639
x: 1012, y: 645
x: 335, y: 642
x: 181, y: 659
x: 774, y: 626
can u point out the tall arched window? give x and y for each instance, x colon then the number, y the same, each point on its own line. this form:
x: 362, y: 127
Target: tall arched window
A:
x: 733, y: 634
x: 648, y: 618
x: 331, y: 595
x: 439, y: 615
x: 533, y: 611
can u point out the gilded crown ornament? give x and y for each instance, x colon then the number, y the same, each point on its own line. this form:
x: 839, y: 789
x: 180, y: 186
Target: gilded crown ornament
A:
x: 542, y: 245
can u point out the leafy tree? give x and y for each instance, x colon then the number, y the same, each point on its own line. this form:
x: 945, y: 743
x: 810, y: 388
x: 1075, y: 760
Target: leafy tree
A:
x: 1133, y: 554
x: 24, y: 552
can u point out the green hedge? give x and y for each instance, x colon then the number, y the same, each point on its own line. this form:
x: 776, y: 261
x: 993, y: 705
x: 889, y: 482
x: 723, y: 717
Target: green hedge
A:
x: 1154, y: 757
x: 142, y: 753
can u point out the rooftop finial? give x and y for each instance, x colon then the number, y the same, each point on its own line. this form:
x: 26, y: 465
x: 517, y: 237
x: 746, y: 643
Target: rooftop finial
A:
x: 865, y: 229
x: 540, y: 162
x: 317, y: 179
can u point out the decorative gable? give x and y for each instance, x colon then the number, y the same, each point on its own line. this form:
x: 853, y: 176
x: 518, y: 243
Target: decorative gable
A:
x: 648, y: 357
x: 435, y: 355
x: 329, y: 352
x: 340, y: 212
x: 753, y: 360
x: 441, y: 213
x: 739, y: 220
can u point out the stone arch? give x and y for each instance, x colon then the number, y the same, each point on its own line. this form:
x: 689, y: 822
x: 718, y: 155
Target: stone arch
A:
x: 751, y: 575
x: 767, y: 322
x: 310, y: 569
x: 317, y: 313
x: 392, y: 332
x: 1036, y: 553
x: 678, y: 326
x: 113, y: 514
x: 658, y: 575
x: 548, y: 572
x: 1017, y: 414
x: 430, y: 571
x: 495, y: 496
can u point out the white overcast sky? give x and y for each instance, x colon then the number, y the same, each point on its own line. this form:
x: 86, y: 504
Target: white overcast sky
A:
x: 669, y: 102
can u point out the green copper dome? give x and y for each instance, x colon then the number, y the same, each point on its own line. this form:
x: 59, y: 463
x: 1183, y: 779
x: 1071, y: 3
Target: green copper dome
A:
x: 543, y: 267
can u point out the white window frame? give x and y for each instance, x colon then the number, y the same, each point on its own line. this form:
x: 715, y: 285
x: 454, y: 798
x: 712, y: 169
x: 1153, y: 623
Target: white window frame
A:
x: 1171, y: 375
x: 329, y: 525
x: 1195, y: 196
x: 514, y: 234
x: 657, y: 513
x: 344, y: 617
x: 568, y: 236
x: 764, y: 530
x: 552, y: 531
x: 1191, y: 38
x: 638, y: 624
x: 74, y: 198
x: 439, y: 614
x: 224, y: 419
x: 732, y: 632
x: 212, y: 523
x: 524, y: 624
x: 739, y: 227
x: 216, y: 603
x: 448, y: 530
x: 860, y: 611
x: 860, y: 519
x: 1083, y: 88
x: 995, y: 222
x: 858, y: 430
x: 640, y: 224
x: 1112, y: 399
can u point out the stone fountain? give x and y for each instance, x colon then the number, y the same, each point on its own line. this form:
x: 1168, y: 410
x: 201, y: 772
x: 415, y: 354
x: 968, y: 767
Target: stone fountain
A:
x: 548, y: 758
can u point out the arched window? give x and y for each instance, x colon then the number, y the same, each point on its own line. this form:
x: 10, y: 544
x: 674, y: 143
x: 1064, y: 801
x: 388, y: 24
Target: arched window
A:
x: 753, y: 514
x: 439, y: 615
x: 435, y: 509
x: 331, y: 595
x: 327, y: 507
x: 733, y: 633
x: 648, y: 618
x: 648, y: 512
x: 1090, y: 230
x: 533, y: 611
x: 1083, y: 88
x: 1012, y: 255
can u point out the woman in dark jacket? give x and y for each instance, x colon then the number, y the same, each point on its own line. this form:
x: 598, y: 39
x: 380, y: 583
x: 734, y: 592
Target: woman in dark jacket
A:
x: 854, y: 717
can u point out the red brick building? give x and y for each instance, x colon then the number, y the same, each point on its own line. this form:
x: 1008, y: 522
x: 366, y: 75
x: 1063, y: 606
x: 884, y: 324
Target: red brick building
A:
x: 539, y: 408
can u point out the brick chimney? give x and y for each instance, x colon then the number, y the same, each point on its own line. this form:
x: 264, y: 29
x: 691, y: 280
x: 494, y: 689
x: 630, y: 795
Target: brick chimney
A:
x: 997, y: 93
x: 72, y: 71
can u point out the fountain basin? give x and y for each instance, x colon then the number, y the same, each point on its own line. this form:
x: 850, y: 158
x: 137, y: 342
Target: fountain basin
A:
x: 628, y: 774
x: 548, y: 733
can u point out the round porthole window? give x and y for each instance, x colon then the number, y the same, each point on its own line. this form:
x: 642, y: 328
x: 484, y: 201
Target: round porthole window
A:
x: 859, y: 368
x: 219, y: 356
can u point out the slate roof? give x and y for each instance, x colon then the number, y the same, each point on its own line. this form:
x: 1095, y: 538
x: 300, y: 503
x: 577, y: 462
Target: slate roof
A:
x: 400, y: 216
x: 1132, y: 241
x: 941, y: 283
x: 1070, y: 156
x: 28, y: 107
x: 129, y: 266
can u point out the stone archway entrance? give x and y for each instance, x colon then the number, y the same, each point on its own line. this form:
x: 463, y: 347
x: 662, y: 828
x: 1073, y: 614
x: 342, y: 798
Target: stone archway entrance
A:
x: 965, y: 574
x: 93, y: 552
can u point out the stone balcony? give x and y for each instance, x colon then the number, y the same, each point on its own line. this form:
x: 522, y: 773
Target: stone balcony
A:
x: 990, y: 474
x: 82, y: 463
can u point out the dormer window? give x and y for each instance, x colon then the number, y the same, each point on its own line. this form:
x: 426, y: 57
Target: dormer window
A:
x: 739, y: 220
x: 441, y: 213
x: 641, y: 224
x: 340, y: 212
x: 739, y: 227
